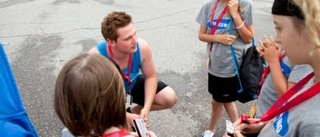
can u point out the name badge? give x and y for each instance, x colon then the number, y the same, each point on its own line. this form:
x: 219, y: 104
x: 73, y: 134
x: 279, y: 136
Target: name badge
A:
x: 253, y: 109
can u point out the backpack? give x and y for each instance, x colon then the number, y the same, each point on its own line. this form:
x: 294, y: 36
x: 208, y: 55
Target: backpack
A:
x: 249, y: 73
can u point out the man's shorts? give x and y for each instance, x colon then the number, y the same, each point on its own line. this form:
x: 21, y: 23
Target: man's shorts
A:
x: 138, y: 92
x: 223, y: 90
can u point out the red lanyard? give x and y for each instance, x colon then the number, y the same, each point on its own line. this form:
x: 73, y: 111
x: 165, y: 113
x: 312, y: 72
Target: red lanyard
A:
x: 265, y: 72
x: 214, y: 9
x: 283, y: 103
x: 126, y: 76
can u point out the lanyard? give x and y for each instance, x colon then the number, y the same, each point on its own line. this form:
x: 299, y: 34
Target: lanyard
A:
x: 125, y: 76
x: 214, y: 9
x: 265, y: 72
x: 283, y: 103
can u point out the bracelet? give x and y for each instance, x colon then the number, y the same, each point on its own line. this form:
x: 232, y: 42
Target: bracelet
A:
x: 241, y: 25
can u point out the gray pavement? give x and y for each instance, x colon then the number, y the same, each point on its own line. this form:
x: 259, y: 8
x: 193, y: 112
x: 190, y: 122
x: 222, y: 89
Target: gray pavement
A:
x: 41, y: 35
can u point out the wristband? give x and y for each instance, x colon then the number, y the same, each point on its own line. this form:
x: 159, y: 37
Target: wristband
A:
x: 241, y: 25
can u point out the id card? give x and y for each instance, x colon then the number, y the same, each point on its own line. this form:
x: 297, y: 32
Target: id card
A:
x: 208, y: 62
x: 129, y: 99
x: 140, y: 127
x: 253, y: 109
x: 229, y: 127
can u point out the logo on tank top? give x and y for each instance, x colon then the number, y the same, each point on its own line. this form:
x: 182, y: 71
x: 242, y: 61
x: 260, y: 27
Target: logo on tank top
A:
x: 222, y: 25
x: 281, y: 125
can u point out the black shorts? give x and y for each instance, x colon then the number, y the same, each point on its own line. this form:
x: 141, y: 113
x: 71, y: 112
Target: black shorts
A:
x: 138, y: 91
x: 223, y: 90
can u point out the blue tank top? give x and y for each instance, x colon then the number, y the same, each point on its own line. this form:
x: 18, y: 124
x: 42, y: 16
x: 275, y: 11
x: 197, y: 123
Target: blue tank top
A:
x: 135, y: 66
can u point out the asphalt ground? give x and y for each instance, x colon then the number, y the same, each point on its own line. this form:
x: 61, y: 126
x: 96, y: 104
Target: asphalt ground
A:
x: 41, y: 35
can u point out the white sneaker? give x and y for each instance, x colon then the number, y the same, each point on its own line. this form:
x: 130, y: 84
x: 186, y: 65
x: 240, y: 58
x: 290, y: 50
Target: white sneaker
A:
x: 207, y: 133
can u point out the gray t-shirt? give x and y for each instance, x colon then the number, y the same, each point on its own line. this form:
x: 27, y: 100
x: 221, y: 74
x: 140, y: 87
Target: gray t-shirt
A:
x: 269, y: 95
x: 221, y: 64
x: 301, y: 121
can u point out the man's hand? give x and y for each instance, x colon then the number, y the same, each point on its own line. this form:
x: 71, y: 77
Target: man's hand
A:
x: 144, y: 115
x: 226, y: 39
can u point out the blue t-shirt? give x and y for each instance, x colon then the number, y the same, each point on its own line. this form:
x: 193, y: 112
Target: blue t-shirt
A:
x: 135, y: 66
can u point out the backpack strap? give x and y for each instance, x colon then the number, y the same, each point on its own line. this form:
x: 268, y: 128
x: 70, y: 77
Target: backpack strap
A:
x: 235, y: 62
x: 234, y: 58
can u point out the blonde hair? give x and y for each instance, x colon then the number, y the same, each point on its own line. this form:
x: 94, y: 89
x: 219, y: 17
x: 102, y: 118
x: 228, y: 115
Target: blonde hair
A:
x: 311, y: 12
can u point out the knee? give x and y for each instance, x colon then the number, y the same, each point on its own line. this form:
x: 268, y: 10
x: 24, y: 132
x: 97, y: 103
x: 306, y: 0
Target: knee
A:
x: 173, y: 100
x: 170, y: 98
x: 215, y: 103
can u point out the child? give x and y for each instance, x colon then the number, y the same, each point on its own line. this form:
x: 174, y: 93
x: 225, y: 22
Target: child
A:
x: 214, y: 19
x: 90, y: 97
x: 294, y: 113
x: 282, y: 76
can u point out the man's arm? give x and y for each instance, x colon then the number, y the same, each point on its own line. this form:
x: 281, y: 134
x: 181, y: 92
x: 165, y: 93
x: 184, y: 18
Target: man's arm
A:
x: 93, y: 51
x: 149, y: 72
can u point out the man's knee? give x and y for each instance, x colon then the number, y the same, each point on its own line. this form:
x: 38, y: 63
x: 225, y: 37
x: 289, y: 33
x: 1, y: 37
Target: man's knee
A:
x: 167, y: 97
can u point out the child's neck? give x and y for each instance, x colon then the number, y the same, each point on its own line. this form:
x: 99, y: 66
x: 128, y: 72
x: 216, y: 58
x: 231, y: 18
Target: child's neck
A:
x: 112, y: 129
x: 316, y: 66
x: 316, y: 70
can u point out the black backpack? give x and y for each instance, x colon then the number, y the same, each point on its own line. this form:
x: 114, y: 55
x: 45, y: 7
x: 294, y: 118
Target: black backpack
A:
x: 250, y: 73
